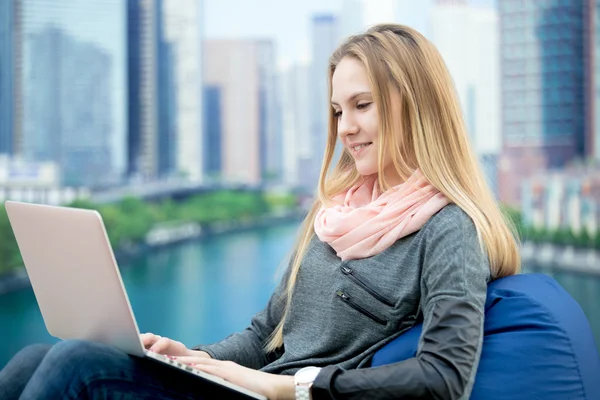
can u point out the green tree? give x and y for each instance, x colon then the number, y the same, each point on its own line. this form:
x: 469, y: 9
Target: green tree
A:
x: 584, y: 240
x: 10, y: 257
x: 129, y: 220
x: 515, y: 218
x: 136, y: 218
x: 83, y: 203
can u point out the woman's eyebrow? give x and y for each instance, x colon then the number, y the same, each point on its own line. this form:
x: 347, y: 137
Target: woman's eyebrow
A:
x: 333, y: 103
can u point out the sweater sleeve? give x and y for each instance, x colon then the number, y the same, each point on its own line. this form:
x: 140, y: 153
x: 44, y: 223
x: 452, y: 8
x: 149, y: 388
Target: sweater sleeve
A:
x: 453, y: 292
x: 247, y: 347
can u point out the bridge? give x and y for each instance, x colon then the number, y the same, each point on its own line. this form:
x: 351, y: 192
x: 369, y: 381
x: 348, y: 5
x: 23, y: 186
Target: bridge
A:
x: 161, y: 190
x: 148, y: 191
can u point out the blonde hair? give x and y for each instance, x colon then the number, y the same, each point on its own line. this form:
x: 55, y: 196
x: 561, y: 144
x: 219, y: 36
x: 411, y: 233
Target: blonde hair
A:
x: 432, y: 138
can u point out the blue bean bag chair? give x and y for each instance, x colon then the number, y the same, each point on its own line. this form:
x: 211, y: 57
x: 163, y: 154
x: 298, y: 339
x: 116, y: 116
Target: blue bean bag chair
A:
x: 538, y: 344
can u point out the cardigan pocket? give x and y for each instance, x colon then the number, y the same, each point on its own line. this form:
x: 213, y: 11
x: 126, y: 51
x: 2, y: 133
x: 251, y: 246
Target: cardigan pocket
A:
x: 346, y: 298
x: 366, y: 285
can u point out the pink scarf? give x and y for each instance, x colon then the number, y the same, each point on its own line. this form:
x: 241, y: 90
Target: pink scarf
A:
x: 364, y: 222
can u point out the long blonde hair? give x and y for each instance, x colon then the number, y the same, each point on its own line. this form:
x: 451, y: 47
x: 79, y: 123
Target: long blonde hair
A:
x: 432, y: 138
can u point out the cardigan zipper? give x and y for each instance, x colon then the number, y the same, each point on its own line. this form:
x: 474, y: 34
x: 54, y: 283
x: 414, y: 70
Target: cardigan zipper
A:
x: 348, y: 300
x: 365, y: 285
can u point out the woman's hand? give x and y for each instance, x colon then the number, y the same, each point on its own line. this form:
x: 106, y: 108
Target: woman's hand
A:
x: 274, y: 387
x: 166, y: 346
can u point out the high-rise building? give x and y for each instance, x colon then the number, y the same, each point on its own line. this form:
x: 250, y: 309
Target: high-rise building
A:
x: 166, y: 97
x: 182, y: 30
x: 324, y: 42
x: 7, y: 93
x: 543, y: 76
x: 236, y: 75
x: 68, y: 108
x: 296, y: 126
x: 143, y: 45
x: 73, y: 88
x: 165, y: 89
x: 270, y: 115
x: 470, y: 50
x: 213, y: 131
x: 592, y: 83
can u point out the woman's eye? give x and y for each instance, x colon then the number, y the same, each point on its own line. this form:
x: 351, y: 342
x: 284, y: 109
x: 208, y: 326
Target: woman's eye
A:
x: 337, y: 114
x: 362, y: 105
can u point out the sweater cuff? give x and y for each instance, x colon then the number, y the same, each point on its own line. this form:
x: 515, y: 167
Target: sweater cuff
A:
x: 208, y: 350
x: 322, y: 388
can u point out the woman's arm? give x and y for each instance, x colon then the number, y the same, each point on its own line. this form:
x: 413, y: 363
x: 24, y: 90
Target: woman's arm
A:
x: 453, y: 292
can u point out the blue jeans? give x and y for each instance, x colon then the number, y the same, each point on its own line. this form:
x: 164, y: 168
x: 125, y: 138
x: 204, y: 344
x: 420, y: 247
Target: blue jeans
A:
x: 77, y: 369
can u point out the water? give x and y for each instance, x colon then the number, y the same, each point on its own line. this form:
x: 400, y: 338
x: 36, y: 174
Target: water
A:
x: 197, y: 292
x: 584, y: 288
x: 200, y: 292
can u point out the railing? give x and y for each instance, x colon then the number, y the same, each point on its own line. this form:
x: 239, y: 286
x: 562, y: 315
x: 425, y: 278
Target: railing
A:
x: 562, y: 257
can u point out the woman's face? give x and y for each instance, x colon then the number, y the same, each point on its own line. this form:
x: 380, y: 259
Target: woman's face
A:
x: 356, y: 114
x: 358, y: 119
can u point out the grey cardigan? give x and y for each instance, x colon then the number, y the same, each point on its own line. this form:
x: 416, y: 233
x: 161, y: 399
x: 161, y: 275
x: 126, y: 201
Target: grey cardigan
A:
x: 343, y: 312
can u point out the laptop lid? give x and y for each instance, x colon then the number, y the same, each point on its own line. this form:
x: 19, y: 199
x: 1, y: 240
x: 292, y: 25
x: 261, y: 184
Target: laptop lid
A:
x: 74, y: 275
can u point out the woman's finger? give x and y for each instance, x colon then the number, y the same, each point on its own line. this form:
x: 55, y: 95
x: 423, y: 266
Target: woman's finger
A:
x: 148, y: 339
x: 202, y: 360
x: 211, y: 369
x: 161, y: 345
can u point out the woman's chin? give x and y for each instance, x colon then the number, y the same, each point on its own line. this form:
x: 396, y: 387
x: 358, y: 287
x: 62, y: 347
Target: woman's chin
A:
x: 366, y: 170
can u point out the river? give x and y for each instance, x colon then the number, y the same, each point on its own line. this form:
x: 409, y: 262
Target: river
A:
x: 201, y: 291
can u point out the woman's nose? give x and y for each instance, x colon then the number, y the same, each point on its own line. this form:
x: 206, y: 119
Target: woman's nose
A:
x: 346, y: 125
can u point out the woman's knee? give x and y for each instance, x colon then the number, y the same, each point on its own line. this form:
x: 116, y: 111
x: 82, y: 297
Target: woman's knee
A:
x: 83, y: 354
x: 29, y: 357
x: 35, y: 352
x: 16, y: 374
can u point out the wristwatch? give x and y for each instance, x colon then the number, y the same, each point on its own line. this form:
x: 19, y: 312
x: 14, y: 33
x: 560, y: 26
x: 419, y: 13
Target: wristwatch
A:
x: 303, y: 380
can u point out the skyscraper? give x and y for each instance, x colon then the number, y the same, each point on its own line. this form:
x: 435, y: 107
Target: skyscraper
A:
x: 143, y: 25
x: 324, y: 41
x: 592, y: 83
x: 467, y: 38
x: 270, y: 114
x: 182, y: 27
x: 165, y: 89
x: 213, y: 131
x: 236, y: 78
x: 543, y: 89
x: 68, y: 108
x: 166, y: 98
x: 74, y: 88
x: 7, y: 93
x: 296, y: 126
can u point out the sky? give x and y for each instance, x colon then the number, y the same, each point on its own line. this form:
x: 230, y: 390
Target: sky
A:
x: 286, y: 21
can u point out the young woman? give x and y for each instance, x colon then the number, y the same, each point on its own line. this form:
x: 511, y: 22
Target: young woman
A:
x: 403, y: 230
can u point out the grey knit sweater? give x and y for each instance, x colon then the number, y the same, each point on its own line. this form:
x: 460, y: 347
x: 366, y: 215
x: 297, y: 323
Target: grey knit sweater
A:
x: 343, y: 312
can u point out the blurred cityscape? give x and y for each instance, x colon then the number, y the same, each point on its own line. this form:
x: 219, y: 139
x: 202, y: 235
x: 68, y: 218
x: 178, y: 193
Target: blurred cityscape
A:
x: 114, y: 96
x: 109, y: 93
x: 182, y: 118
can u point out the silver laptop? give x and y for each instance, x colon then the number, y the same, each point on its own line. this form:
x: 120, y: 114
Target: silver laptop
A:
x: 77, y: 282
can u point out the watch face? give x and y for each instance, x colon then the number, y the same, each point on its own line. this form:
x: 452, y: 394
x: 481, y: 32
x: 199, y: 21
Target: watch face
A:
x: 307, y: 375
